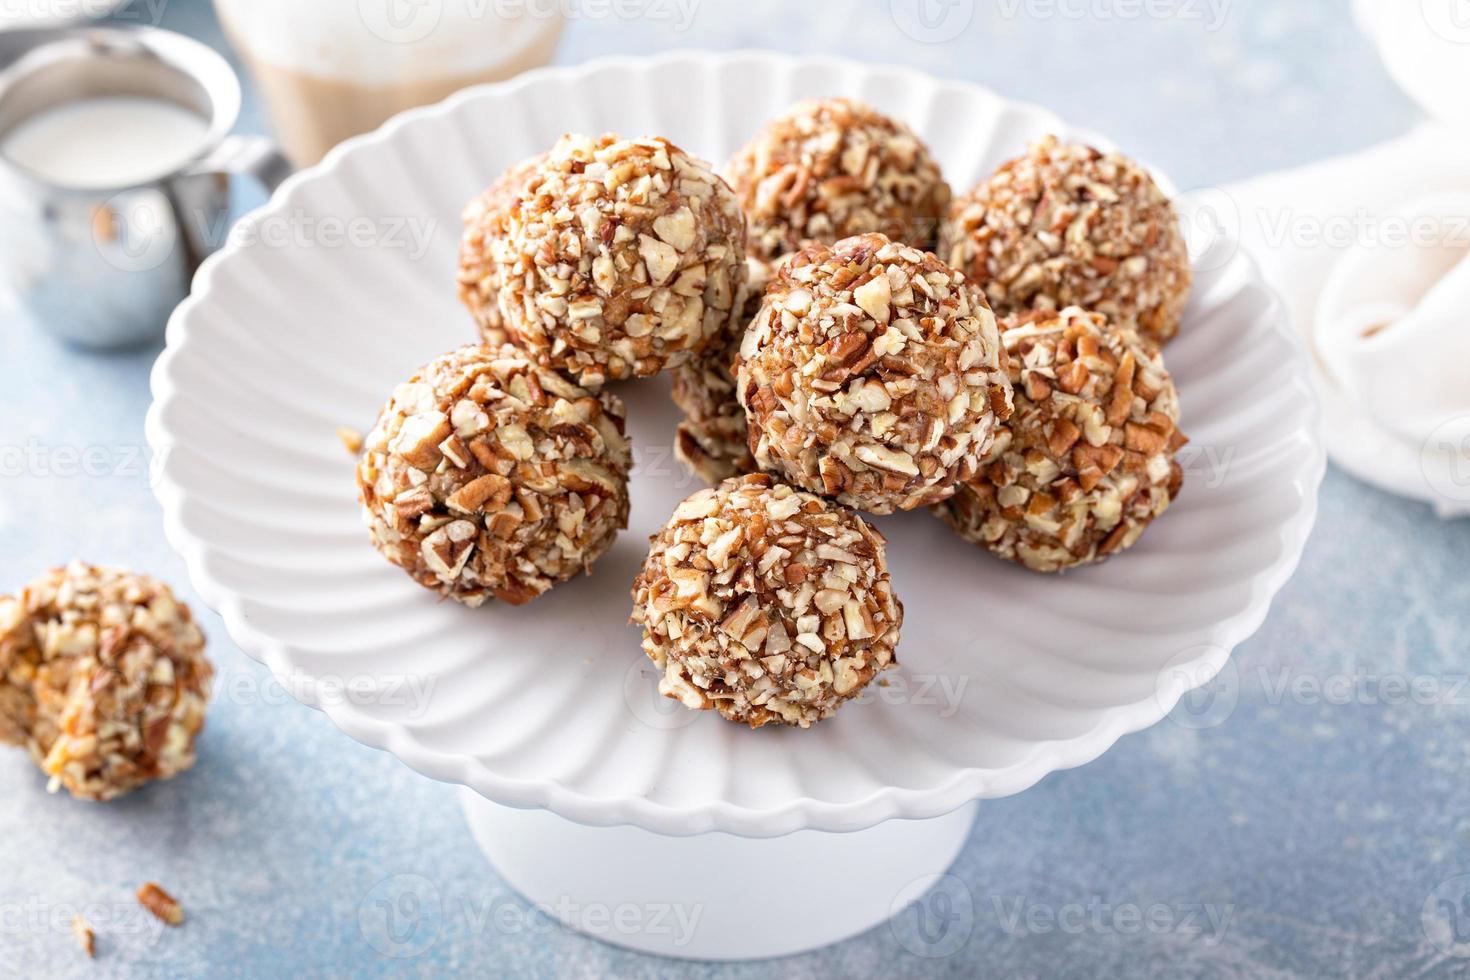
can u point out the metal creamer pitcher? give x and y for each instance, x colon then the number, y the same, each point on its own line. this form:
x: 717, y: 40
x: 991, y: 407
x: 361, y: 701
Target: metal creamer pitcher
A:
x: 104, y: 266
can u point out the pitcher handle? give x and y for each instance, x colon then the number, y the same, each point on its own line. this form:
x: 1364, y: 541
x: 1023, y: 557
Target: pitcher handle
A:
x: 258, y: 157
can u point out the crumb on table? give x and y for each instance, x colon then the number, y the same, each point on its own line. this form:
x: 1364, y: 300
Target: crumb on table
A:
x: 159, y: 902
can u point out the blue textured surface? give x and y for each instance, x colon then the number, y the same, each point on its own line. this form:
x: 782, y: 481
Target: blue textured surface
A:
x: 1300, y: 834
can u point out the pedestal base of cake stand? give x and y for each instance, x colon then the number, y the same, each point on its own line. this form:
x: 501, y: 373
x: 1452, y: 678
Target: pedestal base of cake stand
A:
x: 714, y: 896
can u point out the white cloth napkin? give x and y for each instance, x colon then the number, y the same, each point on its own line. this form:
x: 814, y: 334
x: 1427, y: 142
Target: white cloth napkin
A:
x: 1393, y: 322
x: 1371, y: 253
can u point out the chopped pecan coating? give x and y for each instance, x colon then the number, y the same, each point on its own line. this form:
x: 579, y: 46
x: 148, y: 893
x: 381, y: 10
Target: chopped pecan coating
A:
x: 1087, y: 460
x: 765, y: 603
x: 606, y: 258
x: 480, y: 277
x: 488, y: 475
x: 829, y: 169
x: 713, y: 440
x: 1067, y: 225
x: 872, y: 374
x: 103, y: 679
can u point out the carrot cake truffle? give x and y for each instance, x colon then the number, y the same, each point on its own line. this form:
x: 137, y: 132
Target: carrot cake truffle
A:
x: 606, y: 258
x: 712, y: 440
x: 479, y: 276
x: 1087, y: 460
x: 489, y: 475
x: 825, y: 170
x: 1067, y: 225
x: 831, y: 168
x: 103, y: 679
x: 765, y: 603
x: 873, y: 373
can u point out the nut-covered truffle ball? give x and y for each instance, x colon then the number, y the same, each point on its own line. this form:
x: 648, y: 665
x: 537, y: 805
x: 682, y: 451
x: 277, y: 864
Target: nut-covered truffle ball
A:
x: 873, y: 373
x: 479, y: 276
x: 766, y: 603
x: 832, y: 168
x: 606, y: 258
x: 712, y: 440
x: 103, y: 679
x: 1066, y: 225
x: 488, y: 475
x: 1087, y: 460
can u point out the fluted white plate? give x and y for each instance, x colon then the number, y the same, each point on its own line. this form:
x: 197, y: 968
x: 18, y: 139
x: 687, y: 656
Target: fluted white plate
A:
x: 1006, y: 676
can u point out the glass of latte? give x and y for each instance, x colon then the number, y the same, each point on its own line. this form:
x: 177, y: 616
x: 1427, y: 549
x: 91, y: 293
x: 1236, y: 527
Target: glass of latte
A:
x: 332, y: 70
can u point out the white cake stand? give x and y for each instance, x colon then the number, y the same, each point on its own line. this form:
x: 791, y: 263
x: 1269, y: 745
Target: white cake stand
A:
x: 714, y: 896
x: 603, y: 804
